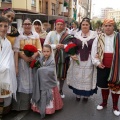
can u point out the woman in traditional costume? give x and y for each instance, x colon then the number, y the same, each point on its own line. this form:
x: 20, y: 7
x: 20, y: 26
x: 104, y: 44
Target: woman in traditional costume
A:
x: 25, y: 78
x: 12, y: 32
x: 8, y: 82
x: 46, y: 97
x: 82, y: 78
x: 37, y: 24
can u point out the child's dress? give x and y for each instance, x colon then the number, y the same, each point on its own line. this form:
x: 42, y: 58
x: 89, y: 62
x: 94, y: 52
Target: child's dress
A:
x: 46, y: 98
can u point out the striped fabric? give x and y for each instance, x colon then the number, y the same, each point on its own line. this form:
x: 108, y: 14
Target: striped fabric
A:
x: 101, y: 46
x: 60, y: 58
x: 114, y: 77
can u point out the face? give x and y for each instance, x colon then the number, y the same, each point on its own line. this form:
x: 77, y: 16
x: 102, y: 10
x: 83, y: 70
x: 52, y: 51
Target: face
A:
x: 46, y: 52
x: 85, y: 26
x: 108, y: 28
x: 3, y: 29
x: 37, y: 27
x: 27, y: 26
x: 10, y: 15
x: 60, y: 26
x: 74, y: 25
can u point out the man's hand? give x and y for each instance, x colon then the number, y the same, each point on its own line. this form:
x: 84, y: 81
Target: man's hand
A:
x: 101, y: 66
x: 59, y: 46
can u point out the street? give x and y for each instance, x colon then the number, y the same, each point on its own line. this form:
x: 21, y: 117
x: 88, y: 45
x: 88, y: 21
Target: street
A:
x: 72, y: 110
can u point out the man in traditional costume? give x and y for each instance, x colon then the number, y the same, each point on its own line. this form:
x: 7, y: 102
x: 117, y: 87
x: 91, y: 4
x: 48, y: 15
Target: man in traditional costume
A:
x: 105, y: 56
x: 58, y: 40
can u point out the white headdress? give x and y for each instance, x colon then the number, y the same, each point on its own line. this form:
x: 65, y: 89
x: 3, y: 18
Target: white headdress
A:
x: 37, y: 20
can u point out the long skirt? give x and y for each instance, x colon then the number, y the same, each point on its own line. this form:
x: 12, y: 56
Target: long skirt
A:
x: 55, y: 104
x: 22, y: 103
x: 82, y: 78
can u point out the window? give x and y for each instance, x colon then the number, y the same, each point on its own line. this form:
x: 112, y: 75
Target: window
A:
x: 33, y: 3
x: 46, y: 7
x: 53, y: 9
x: 6, y: 0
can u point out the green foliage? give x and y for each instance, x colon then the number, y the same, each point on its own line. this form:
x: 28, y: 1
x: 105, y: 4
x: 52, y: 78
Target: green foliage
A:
x: 97, y: 24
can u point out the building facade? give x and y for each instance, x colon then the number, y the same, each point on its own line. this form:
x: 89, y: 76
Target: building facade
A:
x: 115, y: 14
x: 104, y: 12
x: 45, y: 10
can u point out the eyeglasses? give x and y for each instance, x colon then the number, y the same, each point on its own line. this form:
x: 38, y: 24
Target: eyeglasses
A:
x: 27, y: 24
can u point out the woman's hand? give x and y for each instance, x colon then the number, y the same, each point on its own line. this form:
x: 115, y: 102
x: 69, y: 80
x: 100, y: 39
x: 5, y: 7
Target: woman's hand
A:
x: 74, y: 57
x: 27, y: 59
x: 35, y: 55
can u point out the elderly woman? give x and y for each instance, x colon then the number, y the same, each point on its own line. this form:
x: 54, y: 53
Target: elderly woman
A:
x: 82, y: 78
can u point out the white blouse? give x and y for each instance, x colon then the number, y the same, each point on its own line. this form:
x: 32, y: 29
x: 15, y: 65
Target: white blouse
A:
x: 109, y: 41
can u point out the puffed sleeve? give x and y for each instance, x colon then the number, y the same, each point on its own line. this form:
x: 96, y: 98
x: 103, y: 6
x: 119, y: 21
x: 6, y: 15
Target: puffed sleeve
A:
x: 38, y: 43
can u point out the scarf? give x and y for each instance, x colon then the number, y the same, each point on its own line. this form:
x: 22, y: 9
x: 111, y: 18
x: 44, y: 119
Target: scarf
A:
x: 114, y: 77
x: 45, y: 79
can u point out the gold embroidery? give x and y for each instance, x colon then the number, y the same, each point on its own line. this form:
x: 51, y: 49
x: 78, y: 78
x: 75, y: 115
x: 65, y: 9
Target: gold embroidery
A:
x: 5, y: 92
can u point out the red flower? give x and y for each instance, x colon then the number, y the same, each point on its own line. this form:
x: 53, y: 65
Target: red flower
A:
x: 70, y: 46
x: 32, y: 64
x: 30, y: 48
x: 71, y: 49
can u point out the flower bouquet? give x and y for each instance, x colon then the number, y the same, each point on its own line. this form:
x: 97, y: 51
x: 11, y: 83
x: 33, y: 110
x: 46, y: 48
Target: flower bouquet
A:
x: 29, y: 50
x: 71, y: 49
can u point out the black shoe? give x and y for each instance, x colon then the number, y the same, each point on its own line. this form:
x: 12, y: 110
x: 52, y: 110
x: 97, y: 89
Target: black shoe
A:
x: 85, y: 99
x: 77, y: 99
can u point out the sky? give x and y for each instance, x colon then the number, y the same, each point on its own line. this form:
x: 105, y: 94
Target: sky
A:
x: 98, y: 4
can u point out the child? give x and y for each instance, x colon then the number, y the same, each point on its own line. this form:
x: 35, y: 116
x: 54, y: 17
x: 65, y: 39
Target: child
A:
x: 8, y: 81
x: 46, y: 98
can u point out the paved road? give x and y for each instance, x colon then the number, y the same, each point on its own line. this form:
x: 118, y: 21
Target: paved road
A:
x: 72, y: 110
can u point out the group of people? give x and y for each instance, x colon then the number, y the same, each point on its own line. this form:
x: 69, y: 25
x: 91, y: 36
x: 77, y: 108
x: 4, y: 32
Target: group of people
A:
x: 24, y: 88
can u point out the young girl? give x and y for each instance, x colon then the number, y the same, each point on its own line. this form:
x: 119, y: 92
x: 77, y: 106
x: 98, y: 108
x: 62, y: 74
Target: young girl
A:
x: 46, y: 98
x: 8, y: 83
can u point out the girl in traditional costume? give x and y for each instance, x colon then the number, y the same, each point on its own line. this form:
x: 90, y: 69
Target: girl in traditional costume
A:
x: 25, y: 78
x: 37, y: 24
x: 46, y: 97
x: 82, y: 78
x: 8, y: 82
